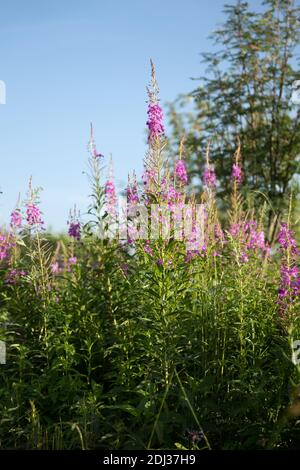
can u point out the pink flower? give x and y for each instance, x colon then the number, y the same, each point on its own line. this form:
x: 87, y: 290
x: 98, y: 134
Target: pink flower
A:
x: 16, y: 219
x: 148, y: 177
x: 190, y: 255
x: 14, y: 275
x: 132, y: 194
x: 286, y: 239
x: 71, y: 262
x: 6, y: 244
x: 110, y: 197
x: 54, y: 268
x: 236, y: 173
x: 33, y: 214
x: 244, y: 258
x: 180, y: 172
x: 289, y: 287
x: 234, y: 229
x: 209, y: 177
x: 257, y: 240
x: 155, y: 121
x: 75, y: 229
x: 148, y: 249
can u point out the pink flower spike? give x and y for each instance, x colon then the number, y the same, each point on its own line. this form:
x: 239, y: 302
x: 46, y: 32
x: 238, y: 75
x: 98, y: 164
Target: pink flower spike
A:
x: 236, y: 173
x: 54, y: 268
x: 209, y: 177
x: 16, y: 219
x: 155, y: 121
x: 33, y: 214
x: 180, y: 172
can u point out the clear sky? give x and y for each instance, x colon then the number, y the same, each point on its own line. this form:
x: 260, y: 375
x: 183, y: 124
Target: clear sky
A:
x: 68, y: 62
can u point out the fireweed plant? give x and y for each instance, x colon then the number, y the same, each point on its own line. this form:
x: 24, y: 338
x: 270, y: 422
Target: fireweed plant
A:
x: 152, y: 325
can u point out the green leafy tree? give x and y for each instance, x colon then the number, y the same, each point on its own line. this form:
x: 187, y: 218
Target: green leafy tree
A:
x: 249, y: 92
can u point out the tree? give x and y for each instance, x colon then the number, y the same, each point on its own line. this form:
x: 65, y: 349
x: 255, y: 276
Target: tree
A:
x: 247, y: 95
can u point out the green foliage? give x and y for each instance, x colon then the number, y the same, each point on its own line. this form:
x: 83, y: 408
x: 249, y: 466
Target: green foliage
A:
x: 111, y: 359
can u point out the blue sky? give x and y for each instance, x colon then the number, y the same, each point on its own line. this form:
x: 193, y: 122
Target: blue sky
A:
x: 68, y: 62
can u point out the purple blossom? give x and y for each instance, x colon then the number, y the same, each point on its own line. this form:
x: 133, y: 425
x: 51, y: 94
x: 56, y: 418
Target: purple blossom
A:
x: 190, y: 254
x: 33, y: 214
x: 250, y: 225
x: 54, y: 268
x: 6, y: 243
x: 235, y: 228
x: 132, y: 194
x: 155, y: 121
x: 180, y: 172
x: 286, y: 239
x: 148, y: 249
x: 244, y: 258
x: 209, y: 176
x: 174, y: 199
x: 256, y: 240
x: 289, y: 287
x: 236, y: 173
x: 173, y: 195
x: 288, y: 275
x: 75, y: 229
x: 218, y: 232
x: 14, y: 275
x: 71, y: 262
x: 195, y: 436
x: 16, y: 218
x: 159, y: 262
x: 125, y: 269
x: 148, y: 177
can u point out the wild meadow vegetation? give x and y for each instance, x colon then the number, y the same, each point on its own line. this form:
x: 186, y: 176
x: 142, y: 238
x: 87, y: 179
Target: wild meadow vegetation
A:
x: 174, y: 328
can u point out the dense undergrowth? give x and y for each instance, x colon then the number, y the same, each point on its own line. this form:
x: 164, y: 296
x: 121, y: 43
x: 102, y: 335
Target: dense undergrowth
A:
x: 150, y: 343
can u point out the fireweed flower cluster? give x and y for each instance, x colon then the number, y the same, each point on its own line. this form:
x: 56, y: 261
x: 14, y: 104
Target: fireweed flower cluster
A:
x: 147, y: 248
x: 14, y: 275
x: 132, y: 194
x: 289, y: 288
x: 236, y: 173
x: 55, y: 268
x: 72, y: 260
x: 209, y: 176
x: 132, y: 191
x: 180, y: 172
x: 149, y: 182
x: 155, y: 121
x: 74, y: 230
x: 33, y: 214
x: 110, y: 193
x: 286, y: 239
x: 16, y: 219
x: 6, y: 243
x: 250, y: 237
